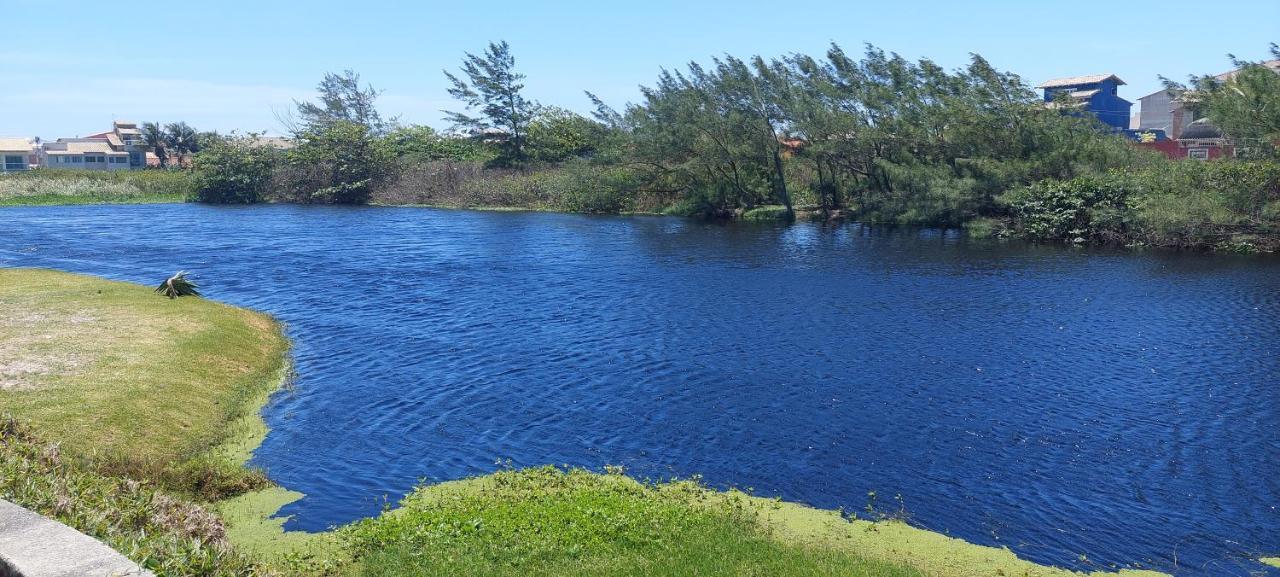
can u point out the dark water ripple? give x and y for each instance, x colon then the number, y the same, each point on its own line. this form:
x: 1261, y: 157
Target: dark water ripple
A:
x: 1063, y: 403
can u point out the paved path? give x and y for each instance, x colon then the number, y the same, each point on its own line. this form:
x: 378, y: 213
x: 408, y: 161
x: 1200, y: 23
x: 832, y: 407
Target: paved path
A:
x: 35, y: 546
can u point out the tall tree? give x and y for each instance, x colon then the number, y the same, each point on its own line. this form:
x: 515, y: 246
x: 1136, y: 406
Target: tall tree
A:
x: 493, y: 89
x: 154, y: 136
x: 181, y: 139
x: 342, y: 100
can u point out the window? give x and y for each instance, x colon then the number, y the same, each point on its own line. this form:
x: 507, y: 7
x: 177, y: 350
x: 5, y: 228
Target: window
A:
x: 15, y: 162
x: 77, y: 159
x: 1198, y: 153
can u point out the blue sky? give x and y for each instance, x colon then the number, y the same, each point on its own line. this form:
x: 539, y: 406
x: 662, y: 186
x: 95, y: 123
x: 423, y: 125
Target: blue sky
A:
x: 69, y: 67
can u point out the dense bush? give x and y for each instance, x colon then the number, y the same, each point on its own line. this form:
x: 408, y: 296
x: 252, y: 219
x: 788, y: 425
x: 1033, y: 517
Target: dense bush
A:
x: 234, y: 171
x: 1225, y: 204
x: 335, y: 163
x: 417, y: 144
x: 1077, y: 210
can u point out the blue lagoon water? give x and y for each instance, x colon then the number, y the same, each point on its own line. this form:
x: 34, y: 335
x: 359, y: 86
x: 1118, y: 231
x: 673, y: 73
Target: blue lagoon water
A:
x: 1084, y: 408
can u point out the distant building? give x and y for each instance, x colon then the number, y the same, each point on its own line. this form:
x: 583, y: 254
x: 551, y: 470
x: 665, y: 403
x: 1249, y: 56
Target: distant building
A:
x: 83, y: 153
x: 1160, y: 110
x: 1200, y: 140
x: 1097, y: 94
x: 121, y: 148
x: 125, y: 136
x: 16, y: 153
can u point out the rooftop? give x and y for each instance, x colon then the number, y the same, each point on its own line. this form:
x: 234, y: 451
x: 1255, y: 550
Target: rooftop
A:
x: 1079, y: 80
x: 82, y: 146
x: 15, y: 143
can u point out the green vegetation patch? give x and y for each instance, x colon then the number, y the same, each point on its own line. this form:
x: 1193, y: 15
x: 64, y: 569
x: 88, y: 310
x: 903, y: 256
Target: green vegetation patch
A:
x: 167, y: 535
x: 550, y: 522
x: 1272, y: 561
x: 46, y: 187
x: 135, y: 383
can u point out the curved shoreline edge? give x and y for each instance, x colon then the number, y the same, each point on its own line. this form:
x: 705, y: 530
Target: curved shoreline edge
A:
x: 251, y: 528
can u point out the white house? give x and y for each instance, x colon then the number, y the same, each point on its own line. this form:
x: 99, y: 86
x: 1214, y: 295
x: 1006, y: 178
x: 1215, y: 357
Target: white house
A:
x: 83, y: 153
x: 16, y: 153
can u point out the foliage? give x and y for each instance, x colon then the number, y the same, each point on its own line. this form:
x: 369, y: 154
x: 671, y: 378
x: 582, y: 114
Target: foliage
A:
x: 551, y: 522
x: 557, y: 135
x: 234, y: 170
x: 1219, y: 204
x: 901, y: 141
x: 341, y: 100
x: 411, y: 144
x: 1244, y: 104
x: 336, y: 163
x: 164, y: 534
x: 494, y: 87
x: 154, y: 136
x: 1077, y: 210
x: 181, y: 139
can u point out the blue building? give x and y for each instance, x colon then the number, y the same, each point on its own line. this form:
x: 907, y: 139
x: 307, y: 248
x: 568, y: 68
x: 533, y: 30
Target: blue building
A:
x: 1098, y: 94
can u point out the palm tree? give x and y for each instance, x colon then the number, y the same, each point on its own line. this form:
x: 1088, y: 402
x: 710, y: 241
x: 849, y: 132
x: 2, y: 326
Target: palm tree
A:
x: 153, y: 136
x: 181, y: 139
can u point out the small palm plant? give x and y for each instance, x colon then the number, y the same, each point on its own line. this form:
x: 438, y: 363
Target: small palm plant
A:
x: 178, y: 286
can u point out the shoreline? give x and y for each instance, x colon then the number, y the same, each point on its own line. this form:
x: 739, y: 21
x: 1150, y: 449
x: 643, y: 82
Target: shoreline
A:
x: 981, y: 229
x: 251, y: 529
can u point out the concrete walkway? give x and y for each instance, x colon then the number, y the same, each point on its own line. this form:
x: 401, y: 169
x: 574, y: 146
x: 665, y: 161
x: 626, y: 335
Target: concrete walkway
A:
x: 35, y: 546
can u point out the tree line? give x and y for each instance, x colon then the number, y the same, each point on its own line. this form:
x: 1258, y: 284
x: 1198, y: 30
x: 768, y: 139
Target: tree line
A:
x: 871, y: 135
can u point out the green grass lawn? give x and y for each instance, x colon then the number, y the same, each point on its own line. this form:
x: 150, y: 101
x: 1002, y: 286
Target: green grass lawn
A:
x: 133, y: 382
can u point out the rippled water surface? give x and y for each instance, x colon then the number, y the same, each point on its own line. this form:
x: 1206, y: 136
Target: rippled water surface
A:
x: 1115, y: 407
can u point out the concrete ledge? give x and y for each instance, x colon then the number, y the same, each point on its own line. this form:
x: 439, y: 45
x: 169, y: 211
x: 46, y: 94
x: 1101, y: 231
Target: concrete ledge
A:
x: 34, y: 546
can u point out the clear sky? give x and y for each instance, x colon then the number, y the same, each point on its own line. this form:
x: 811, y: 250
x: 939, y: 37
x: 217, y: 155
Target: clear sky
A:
x: 67, y: 68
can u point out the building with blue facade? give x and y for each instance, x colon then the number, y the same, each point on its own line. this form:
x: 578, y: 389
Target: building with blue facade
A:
x: 1097, y: 94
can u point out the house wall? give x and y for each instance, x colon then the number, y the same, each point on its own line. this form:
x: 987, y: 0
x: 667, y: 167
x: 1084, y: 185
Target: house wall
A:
x: 1159, y: 111
x: 1106, y: 105
x: 1181, y: 150
x: 1110, y: 108
x: 6, y: 155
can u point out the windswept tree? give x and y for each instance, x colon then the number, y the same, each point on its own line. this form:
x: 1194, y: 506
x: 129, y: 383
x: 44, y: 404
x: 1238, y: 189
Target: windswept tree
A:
x: 492, y: 88
x: 154, y: 136
x: 1244, y: 103
x: 342, y: 99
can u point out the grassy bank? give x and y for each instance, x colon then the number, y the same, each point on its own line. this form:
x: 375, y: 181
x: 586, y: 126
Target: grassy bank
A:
x: 132, y: 416
x: 552, y: 522
x: 58, y: 186
x: 125, y: 410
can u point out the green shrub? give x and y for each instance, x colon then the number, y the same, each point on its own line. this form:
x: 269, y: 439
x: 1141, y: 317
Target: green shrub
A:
x: 1075, y: 210
x: 234, y: 171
